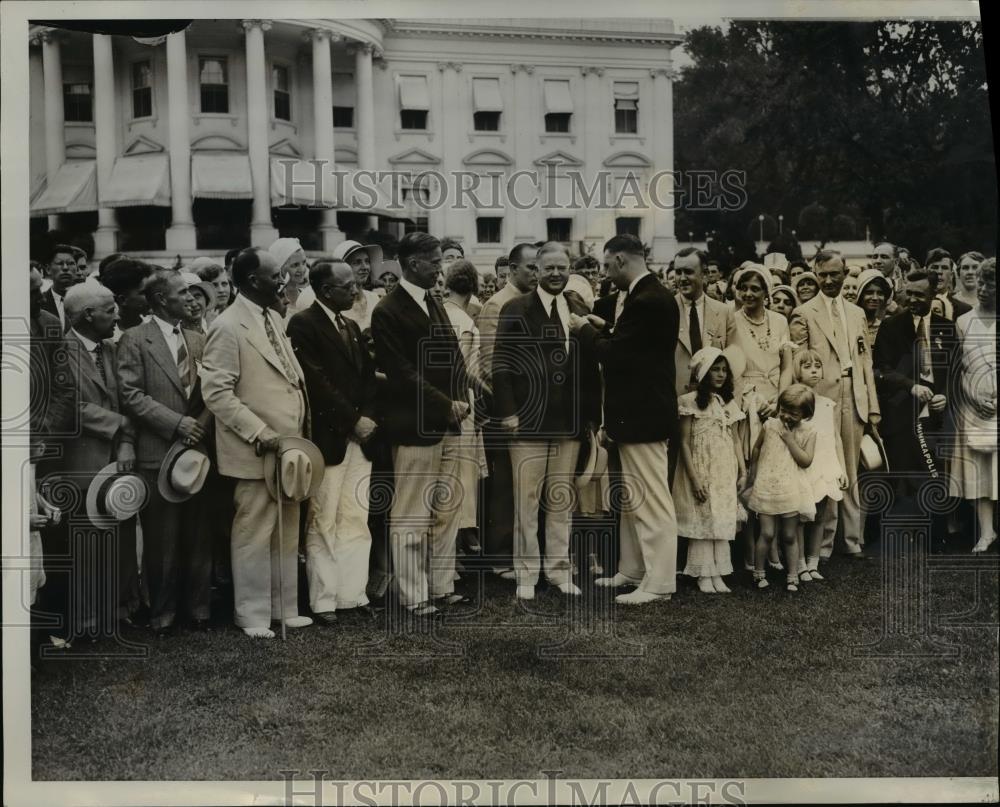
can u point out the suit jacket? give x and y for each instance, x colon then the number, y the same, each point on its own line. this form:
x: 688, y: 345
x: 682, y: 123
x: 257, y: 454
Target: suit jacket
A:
x: 554, y: 394
x: 487, y: 322
x: 103, y: 424
x: 717, y: 329
x: 49, y: 306
x: 245, y: 386
x: 423, y: 365
x: 896, y: 372
x: 953, y: 307
x: 50, y: 388
x: 637, y: 358
x: 810, y: 327
x: 341, y: 387
x: 152, y: 390
x: 604, y: 307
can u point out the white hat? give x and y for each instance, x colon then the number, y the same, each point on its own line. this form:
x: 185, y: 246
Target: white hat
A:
x: 183, y: 472
x: 113, y: 496
x: 283, y: 249
x: 755, y: 269
x: 344, y: 249
x: 302, y: 469
x: 702, y: 361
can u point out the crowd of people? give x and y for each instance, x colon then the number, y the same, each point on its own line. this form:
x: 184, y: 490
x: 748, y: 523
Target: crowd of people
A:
x: 385, y: 425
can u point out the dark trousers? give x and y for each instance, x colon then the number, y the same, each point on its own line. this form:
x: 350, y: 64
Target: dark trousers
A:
x: 498, y: 503
x: 176, y: 556
x: 381, y: 490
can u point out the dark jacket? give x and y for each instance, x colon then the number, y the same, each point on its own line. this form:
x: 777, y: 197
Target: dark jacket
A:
x: 554, y: 393
x: 340, y: 383
x: 424, y: 369
x: 637, y: 360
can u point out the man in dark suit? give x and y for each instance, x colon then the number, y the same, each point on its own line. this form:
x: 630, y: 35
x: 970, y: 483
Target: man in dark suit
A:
x: 640, y: 415
x: 340, y: 380
x: 426, y: 401
x: 546, y: 395
x: 914, y: 356
x: 105, y: 434
x: 63, y: 272
x: 51, y: 395
x: 940, y: 264
x: 157, y: 368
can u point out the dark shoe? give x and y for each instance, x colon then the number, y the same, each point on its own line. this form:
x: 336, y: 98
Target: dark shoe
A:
x: 326, y: 617
x: 201, y: 625
x: 860, y: 556
x: 451, y: 600
x: 425, y: 612
x: 163, y: 631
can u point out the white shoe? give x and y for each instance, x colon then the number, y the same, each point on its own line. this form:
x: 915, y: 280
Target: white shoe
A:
x: 984, y: 543
x: 259, y: 633
x: 705, y: 585
x: 298, y: 622
x: 720, y: 586
x: 526, y: 592
x: 570, y: 588
x: 616, y: 581
x: 639, y: 597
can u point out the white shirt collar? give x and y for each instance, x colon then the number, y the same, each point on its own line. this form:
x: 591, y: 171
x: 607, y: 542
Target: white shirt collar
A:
x: 90, y: 344
x: 418, y: 294
x: 253, y: 308
x: 330, y: 313
x: 165, y: 327
x: 699, y: 303
x: 547, y: 299
x: 632, y: 285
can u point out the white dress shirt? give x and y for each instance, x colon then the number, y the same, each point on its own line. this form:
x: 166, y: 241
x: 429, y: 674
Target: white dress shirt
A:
x: 60, y: 310
x: 417, y: 293
x: 841, y: 325
x: 173, y: 339
x: 562, y: 308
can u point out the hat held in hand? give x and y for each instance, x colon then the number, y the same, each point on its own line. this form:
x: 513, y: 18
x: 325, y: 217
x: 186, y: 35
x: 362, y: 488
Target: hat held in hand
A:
x: 183, y: 472
x: 114, y: 496
x: 300, y: 465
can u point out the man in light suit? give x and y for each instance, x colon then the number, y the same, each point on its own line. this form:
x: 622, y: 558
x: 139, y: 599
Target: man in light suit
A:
x: 640, y: 415
x: 255, y: 388
x: 838, y: 332
x: 426, y: 401
x: 105, y: 435
x: 522, y: 278
x: 704, y: 322
x: 547, y: 395
x: 158, y: 369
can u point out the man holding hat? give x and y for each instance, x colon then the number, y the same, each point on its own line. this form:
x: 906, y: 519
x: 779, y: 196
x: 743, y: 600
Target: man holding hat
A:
x: 254, y: 386
x: 96, y: 464
x: 158, y: 368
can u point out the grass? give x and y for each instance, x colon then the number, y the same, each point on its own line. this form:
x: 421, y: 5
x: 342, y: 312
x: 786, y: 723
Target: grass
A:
x: 751, y: 684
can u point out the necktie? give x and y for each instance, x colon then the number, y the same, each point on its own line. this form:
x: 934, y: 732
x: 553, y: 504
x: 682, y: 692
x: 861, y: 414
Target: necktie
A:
x: 843, y: 352
x: 345, y: 335
x: 923, y: 352
x: 694, y: 328
x: 183, y: 363
x: 556, y: 322
x: 272, y: 337
x: 99, y: 361
x: 620, y: 304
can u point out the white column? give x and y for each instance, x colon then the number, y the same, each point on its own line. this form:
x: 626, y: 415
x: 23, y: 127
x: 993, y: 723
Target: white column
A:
x: 451, y: 123
x: 594, y: 226
x: 664, y: 241
x: 105, y: 128
x: 181, y: 233
x: 262, y: 233
x: 365, y: 87
x: 322, y: 65
x: 55, y: 135
x: 526, y: 114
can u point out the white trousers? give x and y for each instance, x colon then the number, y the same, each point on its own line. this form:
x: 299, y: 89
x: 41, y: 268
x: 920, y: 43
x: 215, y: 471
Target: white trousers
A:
x: 648, y: 536
x: 543, y: 466
x: 338, y: 543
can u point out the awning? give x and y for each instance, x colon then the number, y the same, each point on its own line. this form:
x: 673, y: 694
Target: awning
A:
x: 626, y: 89
x: 557, y: 97
x: 141, y: 180
x: 486, y: 95
x: 299, y: 182
x: 220, y: 175
x: 344, y: 90
x: 72, y: 190
x: 413, y: 93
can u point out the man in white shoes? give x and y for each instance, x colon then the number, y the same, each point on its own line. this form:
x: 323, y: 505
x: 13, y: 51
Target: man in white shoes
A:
x: 253, y: 384
x: 546, y: 394
x: 640, y: 415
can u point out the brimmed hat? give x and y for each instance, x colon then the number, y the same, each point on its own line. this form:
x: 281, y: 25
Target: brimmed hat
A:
x: 800, y: 278
x: 344, y: 250
x: 388, y: 268
x: 788, y: 289
x: 283, y: 249
x: 873, y: 456
x: 593, y: 460
x: 302, y: 468
x: 114, y: 496
x: 755, y: 269
x: 869, y: 276
x: 183, y: 472
x: 195, y: 283
x: 702, y: 361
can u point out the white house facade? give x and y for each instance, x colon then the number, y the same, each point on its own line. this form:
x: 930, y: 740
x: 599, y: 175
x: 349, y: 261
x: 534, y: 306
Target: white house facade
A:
x: 179, y: 146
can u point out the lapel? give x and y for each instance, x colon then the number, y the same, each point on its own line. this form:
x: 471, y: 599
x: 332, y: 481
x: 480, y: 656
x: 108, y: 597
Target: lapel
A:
x: 262, y: 345
x: 823, y: 320
x: 161, y: 354
x: 89, y: 368
x: 329, y: 330
x: 684, y: 332
x: 715, y: 323
x: 409, y: 306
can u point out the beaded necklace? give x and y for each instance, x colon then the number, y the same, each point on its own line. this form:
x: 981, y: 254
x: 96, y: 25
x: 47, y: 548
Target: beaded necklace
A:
x: 765, y: 342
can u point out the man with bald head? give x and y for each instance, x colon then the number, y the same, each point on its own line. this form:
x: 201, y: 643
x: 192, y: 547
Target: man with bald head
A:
x: 340, y: 380
x: 546, y: 397
x: 104, y: 434
x: 253, y: 384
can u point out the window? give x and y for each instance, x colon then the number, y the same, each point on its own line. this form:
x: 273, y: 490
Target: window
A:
x: 488, y: 229
x: 487, y: 104
x: 626, y: 107
x: 558, y: 105
x: 142, y: 90
x: 343, y: 117
x: 78, y: 103
x: 213, y: 76
x: 282, y: 93
x: 418, y: 225
x: 486, y: 121
x: 559, y: 229
x: 627, y: 225
x: 414, y: 101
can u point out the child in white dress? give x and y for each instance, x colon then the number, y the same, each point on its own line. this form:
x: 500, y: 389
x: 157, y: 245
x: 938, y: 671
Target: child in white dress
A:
x: 826, y: 473
x: 782, y: 493
x: 710, y: 471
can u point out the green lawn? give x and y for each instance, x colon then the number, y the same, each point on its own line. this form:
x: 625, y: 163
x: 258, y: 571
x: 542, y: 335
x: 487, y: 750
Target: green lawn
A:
x: 750, y: 684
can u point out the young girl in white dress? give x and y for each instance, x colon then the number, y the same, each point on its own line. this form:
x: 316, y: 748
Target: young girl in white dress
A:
x: 782, y: 493
x: 826, y: 473
x: 711, y: 469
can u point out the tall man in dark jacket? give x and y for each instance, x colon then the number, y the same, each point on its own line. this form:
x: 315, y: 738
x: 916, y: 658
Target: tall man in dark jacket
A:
x: 640, y: 415
x: 340, y: 380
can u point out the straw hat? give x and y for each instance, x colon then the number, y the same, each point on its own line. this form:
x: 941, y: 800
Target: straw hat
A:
x: 183, y: 472
x: 302, y: 468
x: 114, y: 496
